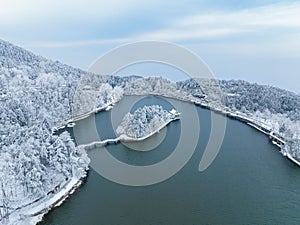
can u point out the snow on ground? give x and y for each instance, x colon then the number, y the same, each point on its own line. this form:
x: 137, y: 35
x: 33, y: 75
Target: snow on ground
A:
x: 37, y: 95
x: 34, y: 212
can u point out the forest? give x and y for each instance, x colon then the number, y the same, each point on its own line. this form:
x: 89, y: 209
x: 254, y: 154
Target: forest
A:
x: 38, y: 94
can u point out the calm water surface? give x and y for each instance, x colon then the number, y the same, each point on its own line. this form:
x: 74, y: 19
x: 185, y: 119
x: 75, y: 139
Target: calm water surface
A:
x: 248, y: 183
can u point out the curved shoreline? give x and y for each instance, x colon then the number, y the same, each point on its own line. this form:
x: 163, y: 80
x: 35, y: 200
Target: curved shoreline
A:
x: 277, y: 140
x: 64, y: 193
x: 83, y: 116
x: 34, y: 212
x: 258, y: 125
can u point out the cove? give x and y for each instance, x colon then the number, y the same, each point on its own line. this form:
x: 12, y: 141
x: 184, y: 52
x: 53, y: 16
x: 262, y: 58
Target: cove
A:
x: 249, y: 182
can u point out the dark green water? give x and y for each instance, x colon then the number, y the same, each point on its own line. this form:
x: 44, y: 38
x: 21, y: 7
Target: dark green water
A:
x: 248, y: 183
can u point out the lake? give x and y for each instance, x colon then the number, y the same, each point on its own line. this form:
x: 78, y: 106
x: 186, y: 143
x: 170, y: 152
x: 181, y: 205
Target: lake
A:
x: 249, y: 182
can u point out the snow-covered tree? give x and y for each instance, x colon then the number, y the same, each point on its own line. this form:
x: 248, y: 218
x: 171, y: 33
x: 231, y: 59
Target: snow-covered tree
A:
x: 143, y: 121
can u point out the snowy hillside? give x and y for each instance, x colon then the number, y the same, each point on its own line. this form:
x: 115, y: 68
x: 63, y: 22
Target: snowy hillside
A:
x: 255, y: 97
x: 34, y: 98
x: 12, y: 56
x: 277, y: 108
x: 36, y: 95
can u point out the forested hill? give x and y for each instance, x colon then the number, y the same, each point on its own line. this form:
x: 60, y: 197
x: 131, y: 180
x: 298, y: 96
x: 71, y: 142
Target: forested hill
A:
x: 35, y: 96
x: 12, y: 56
x: 254, y: 97
x: 245, y: 96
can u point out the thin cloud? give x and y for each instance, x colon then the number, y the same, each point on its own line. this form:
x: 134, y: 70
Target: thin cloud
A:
x: 183, y: 33
x: 221, y: 24
x: 35, y: 12
x: 267, y: 21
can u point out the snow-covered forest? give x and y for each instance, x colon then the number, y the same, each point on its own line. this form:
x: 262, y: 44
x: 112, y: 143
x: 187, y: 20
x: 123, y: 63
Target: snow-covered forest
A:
x: 90, y: 98
x: 277, y: 108
x: 37, y: 94
x: 143, y: 121
x: 254, y: 97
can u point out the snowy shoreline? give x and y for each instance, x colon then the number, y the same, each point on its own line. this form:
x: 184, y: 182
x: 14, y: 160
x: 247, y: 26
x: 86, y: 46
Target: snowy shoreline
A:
x: 277, y: 140
x: 34, y: 212
x: 84, y: 115
x: 43, y: 208
x: 37, y: 210
x: 260, y: 126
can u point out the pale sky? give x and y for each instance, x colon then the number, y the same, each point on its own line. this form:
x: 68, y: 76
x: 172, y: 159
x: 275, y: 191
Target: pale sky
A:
x: 257, y: 41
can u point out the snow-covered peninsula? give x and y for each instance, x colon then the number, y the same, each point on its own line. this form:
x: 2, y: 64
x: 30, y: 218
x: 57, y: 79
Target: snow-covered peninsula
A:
x: 139, y: 125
